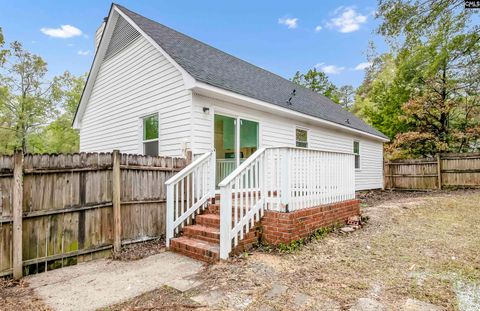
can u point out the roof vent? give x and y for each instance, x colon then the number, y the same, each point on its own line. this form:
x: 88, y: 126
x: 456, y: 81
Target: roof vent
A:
x: 347, y: 121
x: 292, y: 95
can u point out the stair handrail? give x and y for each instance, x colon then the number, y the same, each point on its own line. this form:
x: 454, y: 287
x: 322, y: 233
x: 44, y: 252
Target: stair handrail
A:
x: 246, y: 179
x: 188, y: 192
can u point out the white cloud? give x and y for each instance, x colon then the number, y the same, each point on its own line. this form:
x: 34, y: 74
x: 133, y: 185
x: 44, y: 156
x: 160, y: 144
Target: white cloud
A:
x: 291, y: 23
x: 331, y: 69
x: 318, y: 28
x: 363, y: 66
x: 347, y: 20
x: 65, y: 31
x: 83, y: 53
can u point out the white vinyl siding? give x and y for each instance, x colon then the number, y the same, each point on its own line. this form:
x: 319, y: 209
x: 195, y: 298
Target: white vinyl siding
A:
x: 135, y: 82
x: 280, y: 131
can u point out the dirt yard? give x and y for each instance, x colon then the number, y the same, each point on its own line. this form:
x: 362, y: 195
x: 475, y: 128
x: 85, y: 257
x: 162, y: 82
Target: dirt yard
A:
x: 418, y: 251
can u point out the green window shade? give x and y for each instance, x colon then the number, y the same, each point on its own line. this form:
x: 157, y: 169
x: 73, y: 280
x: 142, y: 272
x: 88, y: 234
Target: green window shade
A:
x: 150, y: 127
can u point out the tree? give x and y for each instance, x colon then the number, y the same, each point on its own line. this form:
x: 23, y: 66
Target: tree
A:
x: 316, y: 81
x: 346, y: 96
x: 424, y: 93
x: 26, y: 99
x: 410, y: 19
x: 59, y: 136
x: 379, y: 99
x: 444, y: 97
x: 6, y: 135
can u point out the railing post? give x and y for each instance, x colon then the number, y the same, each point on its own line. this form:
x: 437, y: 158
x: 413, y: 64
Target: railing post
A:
x: 284, y: 179
x: 225, y: 221
x: 261, y: 180
x: 17, y: 214
x: 169, y: 215
x: 213, y: 173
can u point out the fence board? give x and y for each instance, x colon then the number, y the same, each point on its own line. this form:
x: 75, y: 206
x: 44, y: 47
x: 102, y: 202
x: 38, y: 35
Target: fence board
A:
x: 456, y: 170
x: 67, y: 206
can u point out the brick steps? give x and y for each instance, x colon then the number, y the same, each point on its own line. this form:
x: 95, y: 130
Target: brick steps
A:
x: 201, y: 240
x: 204, y: 233
x: 208, y: 220
x: 195, y: 248
x: 215, y: 208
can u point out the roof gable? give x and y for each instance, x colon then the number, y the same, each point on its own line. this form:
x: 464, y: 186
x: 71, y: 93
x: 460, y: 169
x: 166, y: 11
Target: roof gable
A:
x: 217, y: 68
x: 119, y: 32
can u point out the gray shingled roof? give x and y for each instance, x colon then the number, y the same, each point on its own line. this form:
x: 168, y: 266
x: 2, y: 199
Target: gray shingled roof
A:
x: 214, y: 67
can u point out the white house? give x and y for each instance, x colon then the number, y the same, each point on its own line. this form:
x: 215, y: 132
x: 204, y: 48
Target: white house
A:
x: 156, y: 91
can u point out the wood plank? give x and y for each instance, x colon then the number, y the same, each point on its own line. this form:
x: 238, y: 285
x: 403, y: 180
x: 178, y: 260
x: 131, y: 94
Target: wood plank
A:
x: 460, y: 171
x: 17, y: 214
x: 117, y: 221
x: 439, y: 171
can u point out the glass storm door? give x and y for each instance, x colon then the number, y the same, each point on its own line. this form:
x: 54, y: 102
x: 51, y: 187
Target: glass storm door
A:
x: 235, y: 140
x: 248, y: 139
x: 225, y: 142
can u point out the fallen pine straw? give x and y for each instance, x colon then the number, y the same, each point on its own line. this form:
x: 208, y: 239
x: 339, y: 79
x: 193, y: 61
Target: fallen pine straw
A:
x: 413, y: 247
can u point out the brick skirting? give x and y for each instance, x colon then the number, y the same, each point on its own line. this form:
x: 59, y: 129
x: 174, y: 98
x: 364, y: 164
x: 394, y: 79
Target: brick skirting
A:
x: 280, y: 227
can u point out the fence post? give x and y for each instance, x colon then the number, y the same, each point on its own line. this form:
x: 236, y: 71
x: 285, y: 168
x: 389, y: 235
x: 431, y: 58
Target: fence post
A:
x: 117, y: 220
x: 189, y: 157
x: 392, y: 178
x: 439, y: 170
x: 17, y: 214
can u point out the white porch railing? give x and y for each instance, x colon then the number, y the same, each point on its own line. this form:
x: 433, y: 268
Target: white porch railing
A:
x: 188, y: 193
x: 224, y: 168
x: 283, y: 179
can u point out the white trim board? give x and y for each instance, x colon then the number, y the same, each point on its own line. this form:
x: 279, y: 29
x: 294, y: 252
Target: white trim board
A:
x: 216, y: 92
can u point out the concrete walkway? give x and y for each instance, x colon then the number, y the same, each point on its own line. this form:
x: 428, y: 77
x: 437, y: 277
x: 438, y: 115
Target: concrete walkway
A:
x: 104, y: 282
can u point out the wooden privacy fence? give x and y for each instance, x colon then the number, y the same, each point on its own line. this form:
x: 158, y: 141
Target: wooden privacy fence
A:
x: 445, y: 170
x: 74, y: 207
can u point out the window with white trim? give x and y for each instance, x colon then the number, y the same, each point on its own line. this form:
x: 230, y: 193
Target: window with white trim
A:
x: 150, y: 135
x: 356, y: 151
x: 301, y: 138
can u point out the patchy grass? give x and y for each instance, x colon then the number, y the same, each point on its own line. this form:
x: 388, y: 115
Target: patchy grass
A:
x: 416, y: 247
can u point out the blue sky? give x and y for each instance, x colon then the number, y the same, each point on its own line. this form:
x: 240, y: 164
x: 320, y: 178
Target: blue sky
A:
x: 280, y: 36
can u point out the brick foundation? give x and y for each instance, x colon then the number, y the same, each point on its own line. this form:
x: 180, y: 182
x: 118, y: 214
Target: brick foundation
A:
x: 202, y: 239
x: 280, y: 227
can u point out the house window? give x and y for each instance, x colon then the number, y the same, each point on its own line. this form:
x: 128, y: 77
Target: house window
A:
x: 356, y: 151
x: 301, y: 138
x: 150, y: 135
